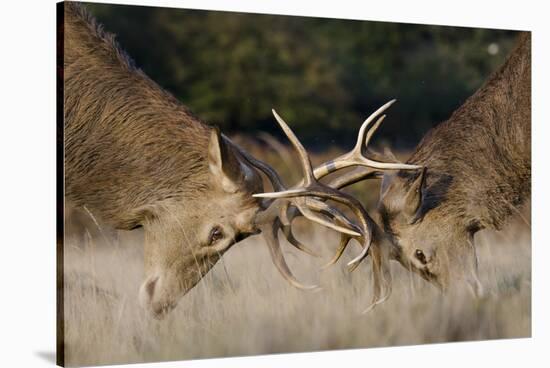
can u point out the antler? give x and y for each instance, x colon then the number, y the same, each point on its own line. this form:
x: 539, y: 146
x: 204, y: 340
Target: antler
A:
x: 355, y: 157
x: 276, y: 217
x: 311, y: 187
x: 308, y: 199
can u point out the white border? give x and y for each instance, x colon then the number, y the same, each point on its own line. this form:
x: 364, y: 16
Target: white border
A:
x: 27, y: 177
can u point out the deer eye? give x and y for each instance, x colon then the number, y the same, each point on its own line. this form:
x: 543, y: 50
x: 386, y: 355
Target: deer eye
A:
x: 420, y: 256
x: 215, y: 235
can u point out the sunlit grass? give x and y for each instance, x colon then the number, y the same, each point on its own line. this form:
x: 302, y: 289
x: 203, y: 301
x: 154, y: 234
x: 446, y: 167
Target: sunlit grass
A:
x: 243, y: 306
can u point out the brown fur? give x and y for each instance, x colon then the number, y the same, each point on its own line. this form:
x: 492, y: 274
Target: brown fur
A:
x: 129, y: 143
x: 135, y: 156
x: 478, y: 172
x: 484, y: 150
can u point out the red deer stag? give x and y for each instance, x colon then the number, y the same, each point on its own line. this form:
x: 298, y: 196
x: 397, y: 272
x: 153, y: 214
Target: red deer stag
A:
x: 476, y: 171
x: 136, y: 157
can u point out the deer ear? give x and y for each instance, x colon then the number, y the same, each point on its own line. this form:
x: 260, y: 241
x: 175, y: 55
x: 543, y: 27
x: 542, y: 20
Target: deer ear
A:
x: 413, y: 198
x: 223, y: 164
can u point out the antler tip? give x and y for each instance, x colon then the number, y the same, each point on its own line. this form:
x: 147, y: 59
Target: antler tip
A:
x: 283, y: 194
x: 369, y: 309
x: 278, y: 118
x: 310, y: 288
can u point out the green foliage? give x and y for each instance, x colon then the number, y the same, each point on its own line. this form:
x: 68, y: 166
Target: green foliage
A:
x: 324, y: 76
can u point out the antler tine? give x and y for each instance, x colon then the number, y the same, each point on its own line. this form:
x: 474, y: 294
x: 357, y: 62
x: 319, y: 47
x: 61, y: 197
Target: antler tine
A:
x: 355, y: 157
x: 355, y: 176
x: 334, y: 213
x: 383, y: 165
x: 338, y: 183
x: 355, y: 262
x: 344, y: 240
x: 382, y: 285
x: 287, y: 231
x: 287, y: 228
x: 297, y: 209
x: 318, y: 206
x: 270, y: 233
x: 290, y: 193
x: 367, y: 224
x: 346, y: 199
x: 304, y: 157
x: 310, y: 215
x: 373, y: 130
x: 366, y: 123
x: 307, y: 170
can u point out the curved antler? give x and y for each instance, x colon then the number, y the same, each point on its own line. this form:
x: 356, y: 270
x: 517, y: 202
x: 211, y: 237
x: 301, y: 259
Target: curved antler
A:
x: 311, y: 187
x: 309, y: 197
x: 355, y: 157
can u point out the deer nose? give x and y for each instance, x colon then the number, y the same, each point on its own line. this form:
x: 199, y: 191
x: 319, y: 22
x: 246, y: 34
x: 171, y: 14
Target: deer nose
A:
x: 160, y: 310
x: 151, y: 301
x: 147, y: 291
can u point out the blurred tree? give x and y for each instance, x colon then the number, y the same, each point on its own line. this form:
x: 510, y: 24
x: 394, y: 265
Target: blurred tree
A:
x: 324, y: 76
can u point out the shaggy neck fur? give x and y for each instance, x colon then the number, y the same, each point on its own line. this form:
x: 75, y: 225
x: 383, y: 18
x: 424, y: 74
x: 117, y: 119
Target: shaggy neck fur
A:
x: 128, y: 143
x: 479, y: 161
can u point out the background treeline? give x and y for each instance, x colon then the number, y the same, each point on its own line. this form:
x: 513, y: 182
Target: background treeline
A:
x: 324, y: 76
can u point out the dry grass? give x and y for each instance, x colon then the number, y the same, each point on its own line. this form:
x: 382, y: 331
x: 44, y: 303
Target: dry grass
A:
x: 245, y: 307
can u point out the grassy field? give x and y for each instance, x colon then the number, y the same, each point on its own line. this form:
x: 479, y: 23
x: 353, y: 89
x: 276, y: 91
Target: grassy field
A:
x: 245, y: 307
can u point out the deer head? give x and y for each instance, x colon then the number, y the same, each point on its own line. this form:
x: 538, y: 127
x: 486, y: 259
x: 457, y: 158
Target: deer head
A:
x: 185, y: 237
x: 433, y: 241
x: 478, y: 172
x: 182, y: 246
